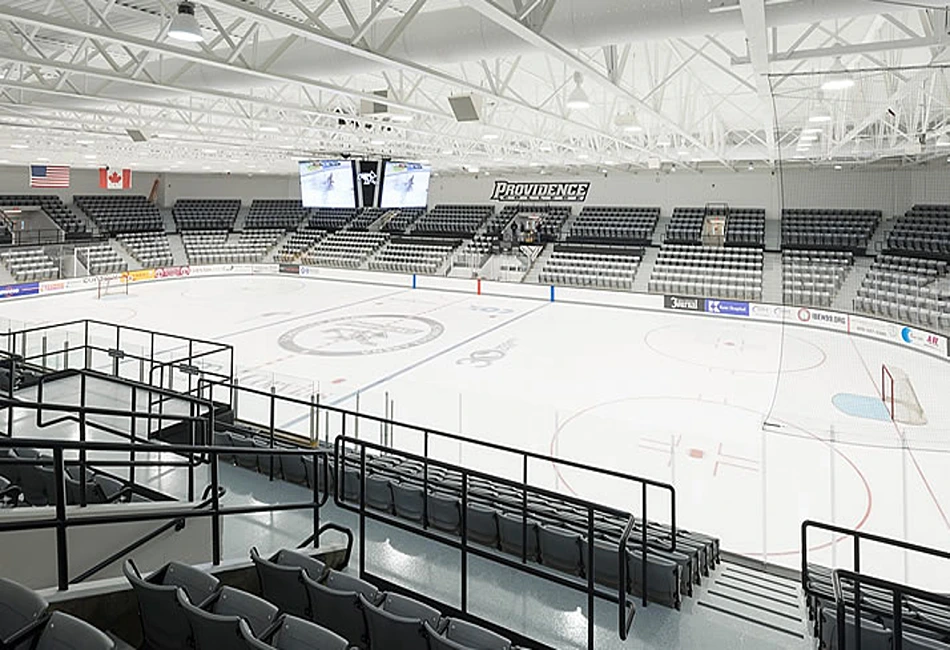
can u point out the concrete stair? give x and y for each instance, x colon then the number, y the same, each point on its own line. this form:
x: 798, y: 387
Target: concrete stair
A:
x: 168, y: 220
x: 534, y: 271
x: 844, y: 300
x: 660, y: 231
x: 645, y: 269
x: 178, y: 250
x: 241, y: 218
x: 125, y: 255
x: 773, y: 234
x: 772, y: 277
x: 878, y: 240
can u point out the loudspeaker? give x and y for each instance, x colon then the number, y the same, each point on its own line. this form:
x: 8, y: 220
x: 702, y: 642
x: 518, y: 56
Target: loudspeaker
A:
x: 466, y: 108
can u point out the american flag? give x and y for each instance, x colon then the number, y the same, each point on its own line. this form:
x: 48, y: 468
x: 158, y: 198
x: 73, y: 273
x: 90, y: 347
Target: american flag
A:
x: 49, y: 176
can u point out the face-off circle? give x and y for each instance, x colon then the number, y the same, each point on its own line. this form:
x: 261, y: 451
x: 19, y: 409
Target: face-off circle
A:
x: 353, y: 336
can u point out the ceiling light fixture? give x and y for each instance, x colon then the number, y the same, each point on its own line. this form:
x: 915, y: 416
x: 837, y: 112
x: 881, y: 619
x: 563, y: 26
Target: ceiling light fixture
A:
x: 821, y: 115
x: 838, y: 77
x: 184, y: 25
x: 269, y: 129
x: 578, y: 99
x: 490, y: 136
x: 943, y: 141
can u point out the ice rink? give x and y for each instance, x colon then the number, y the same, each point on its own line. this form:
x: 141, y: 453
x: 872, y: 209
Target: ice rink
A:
x: 759, y: 426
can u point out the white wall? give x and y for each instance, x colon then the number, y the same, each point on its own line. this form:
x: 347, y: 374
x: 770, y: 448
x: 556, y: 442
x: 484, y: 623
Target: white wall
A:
x: 892, y: 191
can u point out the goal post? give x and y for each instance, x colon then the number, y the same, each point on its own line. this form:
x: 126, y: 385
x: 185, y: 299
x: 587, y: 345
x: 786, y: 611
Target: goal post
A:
x: 112, y: 285
x: 899, y: 397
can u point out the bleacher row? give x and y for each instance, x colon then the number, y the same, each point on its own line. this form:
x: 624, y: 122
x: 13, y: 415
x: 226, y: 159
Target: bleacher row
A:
x: 813, y: 278
x: 413, y: 257
x: 708, y: 271
x: 29, y: 265
x: 607, y: 269
x: 101, y: 259
x: 556, y: 534
x: 218, y: 247
x: 152, y: 249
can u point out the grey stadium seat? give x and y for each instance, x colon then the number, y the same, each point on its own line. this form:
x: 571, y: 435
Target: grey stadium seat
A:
x: 379, y: 494
x: 397, y: 622
x: 915, y: 642
x: 19, y: 607
x: 297, y: 634
x: 259, y: 613
x: 874, y: 636
x: 511, y: 533
x: 213, y: 631
x: 164, y: 624
x: 459, y: 635
x: 408, y: 502
x: 445, y: 513
x: 288, y: 557
x: 560, y: 549
x: 336, y: 605
x: 482, y: 525
x: 65, y: 632
x: 282, y: 585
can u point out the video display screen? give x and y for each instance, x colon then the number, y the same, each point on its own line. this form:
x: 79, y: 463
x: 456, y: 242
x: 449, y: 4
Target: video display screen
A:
x: 405, y: 185
x: 327, y: 184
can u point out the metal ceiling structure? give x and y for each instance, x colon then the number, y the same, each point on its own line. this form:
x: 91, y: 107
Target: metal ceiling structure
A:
x: 688, y: 82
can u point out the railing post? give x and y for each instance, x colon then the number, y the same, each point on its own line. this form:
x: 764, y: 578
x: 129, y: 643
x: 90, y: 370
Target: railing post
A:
x: 841, y: 622
x: 273, y: 407
x: 464, y: 541
x: 314, y: 422
x: 134, y: 423
x: 62, y: 552
x: 590, y: 580
x: 898, y: 619
x: 66, y: 354
x: 425, y: 480
x: 857, y: 612
x: 643, y: 541
x: 44, y: 350
x: 235, y: 390
x: 356, y: 418
x: 215, y: 512
x: 317, y: 459
x: 341, y: 478
x: 191, y: 454
x: 82, y: 438
x: 524, y: 508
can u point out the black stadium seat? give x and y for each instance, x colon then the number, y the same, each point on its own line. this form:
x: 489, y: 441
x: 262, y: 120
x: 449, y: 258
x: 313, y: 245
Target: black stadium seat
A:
x: 20, y: 608
x: 398, y: 621
x: 65, y: 632
x: 461, y: 635
x: 282, y: 585
x: 337, y: 606
x: 217, y: 624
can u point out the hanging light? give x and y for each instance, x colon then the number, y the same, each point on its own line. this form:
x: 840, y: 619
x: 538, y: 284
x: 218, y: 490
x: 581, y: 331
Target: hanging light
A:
x: 184, y: 25
x: 943, y: 141
x: 821, y: 114
x: 838, y: 77
x: 578, y: 99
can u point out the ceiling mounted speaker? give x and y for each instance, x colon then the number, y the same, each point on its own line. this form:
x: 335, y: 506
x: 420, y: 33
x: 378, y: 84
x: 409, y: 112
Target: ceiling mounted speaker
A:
x: 466, y: 108
x: 368, y: 107
x: 136, y: 135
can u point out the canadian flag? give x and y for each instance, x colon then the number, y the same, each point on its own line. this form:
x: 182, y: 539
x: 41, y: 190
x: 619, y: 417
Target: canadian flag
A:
x: 115, y: 179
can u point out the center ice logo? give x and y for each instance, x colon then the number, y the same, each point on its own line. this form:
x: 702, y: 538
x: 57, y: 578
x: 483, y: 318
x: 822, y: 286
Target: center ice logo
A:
x: 360, y: 335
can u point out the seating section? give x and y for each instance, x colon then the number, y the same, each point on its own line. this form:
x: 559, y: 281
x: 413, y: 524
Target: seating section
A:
x: 403, y: 219
x: 206, y: 214
x: 453, y: 220
x: 55, y: 209
x: 610, y: 224
x: 28, y: 623
x: 366, y: 218
x: 345, y: 249
x: 286, y: 214
x: 556, y: 530
x: 590, y: 267
x: 829, y: 228
x: 814, y: 277
x: 331, y: 219
x: 118, y: 214
x: 101, y: 259
x: 907, y: 289
x: 408, y: 256
x: 216, y: 247
x: 30, y: 265
x: 299, y: 243
x: 686, y: 226
x: 37, y: 487
x: 745, y: 227
x: 924, y: 624
x: 707, y: 271
x: 924, y: 230
x: 150, y: 249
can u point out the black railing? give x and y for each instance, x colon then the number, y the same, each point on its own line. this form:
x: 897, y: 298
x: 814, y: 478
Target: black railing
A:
x: 386, y: 425
x: 589, y: 587
x: 61, y: 520
x: 899, y: 594
x: 856, y: 537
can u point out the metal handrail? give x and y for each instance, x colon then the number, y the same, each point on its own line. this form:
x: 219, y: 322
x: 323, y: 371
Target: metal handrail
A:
x: 61, y: 522
x: 857, y: 536
x: 525, y: 454
x: 626, y: 609
x: 898, y: 593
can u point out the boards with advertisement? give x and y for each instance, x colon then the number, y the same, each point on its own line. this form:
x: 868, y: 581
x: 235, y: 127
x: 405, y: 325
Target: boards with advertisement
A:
x: 19, y: 290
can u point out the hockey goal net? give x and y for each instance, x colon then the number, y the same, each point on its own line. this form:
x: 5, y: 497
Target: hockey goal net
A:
x: 899, y: 397
x: 113, y: 285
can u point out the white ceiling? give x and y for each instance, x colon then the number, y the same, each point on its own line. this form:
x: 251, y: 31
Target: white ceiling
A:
x: 711, y: 82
